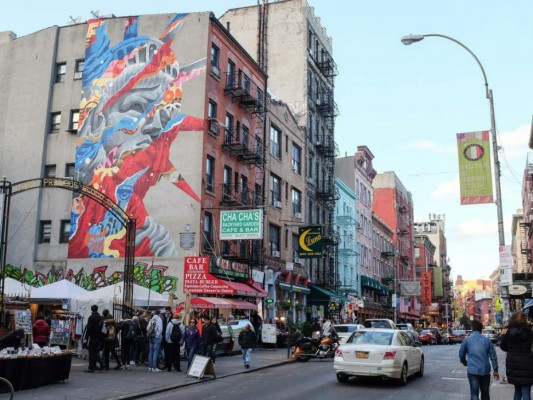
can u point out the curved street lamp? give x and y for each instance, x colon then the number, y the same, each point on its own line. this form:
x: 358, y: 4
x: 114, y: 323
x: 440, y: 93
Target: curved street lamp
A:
x: 410, y: 39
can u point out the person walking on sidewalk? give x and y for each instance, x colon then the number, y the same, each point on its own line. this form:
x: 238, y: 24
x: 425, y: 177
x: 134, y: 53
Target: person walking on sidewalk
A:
x: 155, y: 335
x: 93, y: 338
x: 519, y: 362
x: 173, y: 337
x: 110, y: 340
x: 477, y: 354
x: 247, y: 342
x: 191, y: 339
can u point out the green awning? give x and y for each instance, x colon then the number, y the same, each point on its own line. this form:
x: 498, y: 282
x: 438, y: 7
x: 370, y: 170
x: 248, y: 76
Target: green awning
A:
x: 321, y: 294
x: 370, y: 283
x: 294, y: 288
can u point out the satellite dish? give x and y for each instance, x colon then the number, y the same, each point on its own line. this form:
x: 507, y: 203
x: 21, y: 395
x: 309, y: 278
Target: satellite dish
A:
x: 74, y: 21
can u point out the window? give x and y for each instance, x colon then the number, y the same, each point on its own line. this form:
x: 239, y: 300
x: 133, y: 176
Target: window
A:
x: 228, y: 138
x: 296, y: 159
x: 74, y: 120
x: 244, y: 190
x: 45, y: 231
x: 310, y: 169
x: 208, y: 231
x: 275, y: 142
x: 260, y: 101
x: 215, y: 56
x: 55, y: 122
x: 69, y: 170
x: 245, y: 82
x: 210, y: 174
x: 273, y: 240
x: 296, y: 201
x: 227, y: 182
x: 65, y: 231
x: 78, y: 69
x: 295, y: 247
x: 50, y: 171
x: 61, y: 71
x: 231, y: 74
x: 212, y: 116
x: 275, y: 191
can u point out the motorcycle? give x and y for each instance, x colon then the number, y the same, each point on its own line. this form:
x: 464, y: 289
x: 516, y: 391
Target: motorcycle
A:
x: 317, y: 346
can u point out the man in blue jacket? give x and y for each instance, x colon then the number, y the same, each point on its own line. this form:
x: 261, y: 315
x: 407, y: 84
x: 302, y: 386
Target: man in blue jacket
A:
x: 477, y: 354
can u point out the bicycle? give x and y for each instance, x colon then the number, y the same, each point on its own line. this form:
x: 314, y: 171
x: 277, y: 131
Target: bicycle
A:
x: 6, y: 389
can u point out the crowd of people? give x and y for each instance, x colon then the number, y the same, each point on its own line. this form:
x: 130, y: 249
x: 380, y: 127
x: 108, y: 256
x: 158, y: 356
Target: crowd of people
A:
x: 153, y: 339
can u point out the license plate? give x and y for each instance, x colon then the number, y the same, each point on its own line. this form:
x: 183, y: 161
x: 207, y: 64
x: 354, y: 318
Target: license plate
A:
x: 361, y: 354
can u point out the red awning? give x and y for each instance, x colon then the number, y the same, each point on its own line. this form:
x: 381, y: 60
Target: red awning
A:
x: 241, y: 289
x: 257, y: 286
x: 210, y: 302
x: 220, y: 303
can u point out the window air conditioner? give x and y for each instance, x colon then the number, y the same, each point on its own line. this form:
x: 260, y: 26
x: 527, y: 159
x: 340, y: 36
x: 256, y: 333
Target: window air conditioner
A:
x: 78, y: 75
x: 277, y: 204
x: 276, y: 254
x: 297, y: 260
x: 298, y: 215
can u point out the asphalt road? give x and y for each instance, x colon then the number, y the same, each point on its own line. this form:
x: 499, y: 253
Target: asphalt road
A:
x: 445, y: 378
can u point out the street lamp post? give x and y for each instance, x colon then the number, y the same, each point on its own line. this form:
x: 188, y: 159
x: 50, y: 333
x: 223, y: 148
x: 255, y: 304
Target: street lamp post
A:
x: 410, y: 39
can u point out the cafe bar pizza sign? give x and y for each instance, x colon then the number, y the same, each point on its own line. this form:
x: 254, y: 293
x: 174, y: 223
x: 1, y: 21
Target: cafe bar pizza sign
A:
x: 197, y: 278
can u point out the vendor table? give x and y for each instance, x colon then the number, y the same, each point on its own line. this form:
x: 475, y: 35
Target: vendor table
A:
x: 32, y: 372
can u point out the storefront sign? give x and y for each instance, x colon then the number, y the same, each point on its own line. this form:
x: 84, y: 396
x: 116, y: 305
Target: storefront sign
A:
x: 506, y: 276
x: 310, y: 242
x: 517, y: 290
x: 197, y: 278
x: 241, y: 224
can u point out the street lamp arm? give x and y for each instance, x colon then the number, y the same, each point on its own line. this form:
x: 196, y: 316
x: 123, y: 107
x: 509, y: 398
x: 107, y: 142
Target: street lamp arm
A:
x: 409, y: 39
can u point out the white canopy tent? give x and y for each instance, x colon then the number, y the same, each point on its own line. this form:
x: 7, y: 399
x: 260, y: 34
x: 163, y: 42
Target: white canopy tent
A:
x: 12, y: 287
x: 104, y: 298
x: 58, y: 292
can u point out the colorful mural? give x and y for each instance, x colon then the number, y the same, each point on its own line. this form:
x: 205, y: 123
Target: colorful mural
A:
x: 130, y: 115
x: 149, y: 276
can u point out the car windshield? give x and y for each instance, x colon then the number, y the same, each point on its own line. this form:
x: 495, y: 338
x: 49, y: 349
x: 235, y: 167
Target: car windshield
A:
x: 378, y: 324
x: 426, y: 331
x: 380, y: 338
x: 488, y: 331
x: 345, y: 328
x: 458, y: 332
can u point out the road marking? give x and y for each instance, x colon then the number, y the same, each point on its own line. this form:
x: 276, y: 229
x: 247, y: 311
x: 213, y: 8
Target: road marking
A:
x: 451, y: 378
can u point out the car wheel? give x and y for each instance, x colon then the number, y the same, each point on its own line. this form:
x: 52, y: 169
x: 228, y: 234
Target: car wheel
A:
x: 343, y: 378
x: 403, y: 376
x: 420, y: 372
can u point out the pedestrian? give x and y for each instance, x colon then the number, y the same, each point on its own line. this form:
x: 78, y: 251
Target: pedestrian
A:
x: 191, y: 338
x: 41, y: 331
x: 519, y: 362
x: 316, y: 326
x: 155, y: 335
x: 93, y: 338
x: 142, y: 339
x: 173, y: 336
x: 247, y: 342
x: 201, y: 328
x: 477, y: 354
x: 13, y: 339
x: 211, y: 333
x: 165, y: 319
x: 127, y: 338
x: 110, y: 340
x: 257, y: 323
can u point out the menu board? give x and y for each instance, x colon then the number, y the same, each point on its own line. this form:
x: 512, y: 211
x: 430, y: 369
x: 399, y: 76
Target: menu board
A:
x: 201, y: 366
x: 23, y: 321
x: 60, y: 332
x: 268, y: 333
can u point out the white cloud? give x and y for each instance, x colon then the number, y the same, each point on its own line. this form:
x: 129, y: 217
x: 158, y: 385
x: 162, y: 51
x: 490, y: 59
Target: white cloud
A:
x: 431, y: 146
x: 515, y: 143
x: 447, y: 190
x: 475, y: 228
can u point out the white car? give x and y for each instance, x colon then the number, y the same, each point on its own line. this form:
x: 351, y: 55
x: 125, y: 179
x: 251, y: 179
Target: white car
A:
x: 378, y: 352
x: 237, y: 325
x: 345, y: 330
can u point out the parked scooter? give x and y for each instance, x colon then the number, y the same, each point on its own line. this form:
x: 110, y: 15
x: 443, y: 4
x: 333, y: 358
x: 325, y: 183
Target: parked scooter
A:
x: 317, y: 346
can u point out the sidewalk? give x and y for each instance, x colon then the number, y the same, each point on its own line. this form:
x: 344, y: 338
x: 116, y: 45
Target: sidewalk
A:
x: 138, y: 381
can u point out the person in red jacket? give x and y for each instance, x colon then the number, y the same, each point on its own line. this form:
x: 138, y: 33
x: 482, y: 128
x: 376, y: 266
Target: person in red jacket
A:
x: 41, y: 331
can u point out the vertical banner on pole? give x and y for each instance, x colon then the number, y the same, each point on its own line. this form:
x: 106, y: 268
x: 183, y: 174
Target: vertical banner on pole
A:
x: 475, y: 176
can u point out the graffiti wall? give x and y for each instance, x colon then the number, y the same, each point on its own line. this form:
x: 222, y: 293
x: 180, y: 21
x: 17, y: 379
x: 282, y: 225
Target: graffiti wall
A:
x: 154, y: 276
x: 131, y: 146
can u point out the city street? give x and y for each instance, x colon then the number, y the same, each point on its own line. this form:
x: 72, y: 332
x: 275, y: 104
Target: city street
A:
x: 445, y: 378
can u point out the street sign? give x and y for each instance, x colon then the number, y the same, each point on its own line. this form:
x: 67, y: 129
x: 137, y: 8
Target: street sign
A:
x: 268, y: 300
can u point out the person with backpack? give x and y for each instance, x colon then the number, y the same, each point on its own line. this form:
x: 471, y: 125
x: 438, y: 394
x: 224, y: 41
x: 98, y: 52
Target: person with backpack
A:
x: 173, y: 337
x: 127, y: 338
x: 155, y: 334
x: 110, y: 340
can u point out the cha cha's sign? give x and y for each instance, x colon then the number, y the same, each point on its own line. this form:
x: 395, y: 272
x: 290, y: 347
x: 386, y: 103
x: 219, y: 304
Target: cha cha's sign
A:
x: 241, y: 224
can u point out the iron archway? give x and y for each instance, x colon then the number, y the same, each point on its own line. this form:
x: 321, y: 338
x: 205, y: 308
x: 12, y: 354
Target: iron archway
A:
x: 8, y: 189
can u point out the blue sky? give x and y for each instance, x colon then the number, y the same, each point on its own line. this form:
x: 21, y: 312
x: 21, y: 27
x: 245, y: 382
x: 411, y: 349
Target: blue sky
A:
x: 406, y: 103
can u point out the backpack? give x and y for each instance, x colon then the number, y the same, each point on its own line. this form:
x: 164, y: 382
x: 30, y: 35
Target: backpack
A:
x: 102, y: 328
x: 175, y: 334
x: 130, y: 333
x: 111, y: 334
x: 150, y: 330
